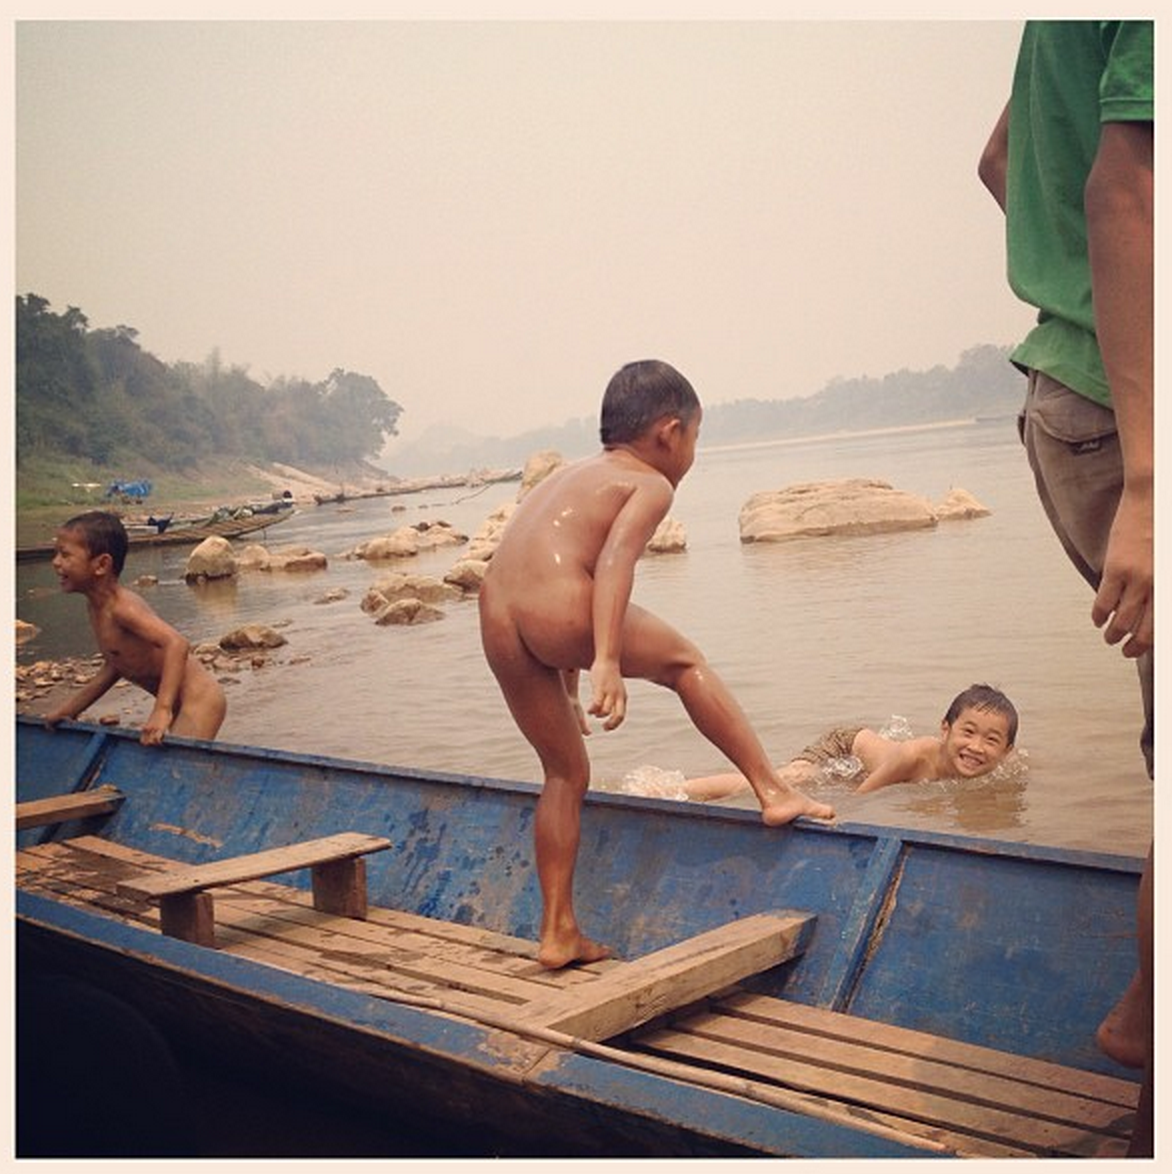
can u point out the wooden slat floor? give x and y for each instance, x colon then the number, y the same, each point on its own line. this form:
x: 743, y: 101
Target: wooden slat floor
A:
x: 962, y: 1099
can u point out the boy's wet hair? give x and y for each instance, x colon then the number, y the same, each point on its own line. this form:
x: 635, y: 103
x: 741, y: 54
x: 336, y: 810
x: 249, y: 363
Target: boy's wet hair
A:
x: 988, y: 699
x: 641, y: 393
x: 102, y: 533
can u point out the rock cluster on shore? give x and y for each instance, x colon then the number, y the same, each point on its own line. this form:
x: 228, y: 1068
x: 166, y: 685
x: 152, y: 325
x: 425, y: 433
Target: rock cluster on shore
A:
x: 43, y: 685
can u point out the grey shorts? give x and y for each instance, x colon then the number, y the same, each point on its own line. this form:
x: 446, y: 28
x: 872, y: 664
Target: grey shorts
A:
x: 1073, y: 448
x: 836, y: 743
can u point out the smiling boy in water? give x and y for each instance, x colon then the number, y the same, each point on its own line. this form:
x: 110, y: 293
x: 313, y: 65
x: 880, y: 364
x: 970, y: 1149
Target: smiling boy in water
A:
x: 135, y: 643
x: 977, y: 732
x: 556, y: 599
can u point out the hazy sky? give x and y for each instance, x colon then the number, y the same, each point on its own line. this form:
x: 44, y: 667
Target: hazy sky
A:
x: 489, y: 217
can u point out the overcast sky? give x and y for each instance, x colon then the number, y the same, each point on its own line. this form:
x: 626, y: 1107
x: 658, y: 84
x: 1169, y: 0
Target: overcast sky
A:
x: 489, y: 217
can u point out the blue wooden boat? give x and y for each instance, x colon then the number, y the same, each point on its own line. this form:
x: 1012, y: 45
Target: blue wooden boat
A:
x: 363, y: 936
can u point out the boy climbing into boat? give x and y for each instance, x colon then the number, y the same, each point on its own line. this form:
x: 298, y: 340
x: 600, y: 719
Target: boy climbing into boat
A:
x: 556, y: 600
x: 977, y: 732
x: 136, y: 645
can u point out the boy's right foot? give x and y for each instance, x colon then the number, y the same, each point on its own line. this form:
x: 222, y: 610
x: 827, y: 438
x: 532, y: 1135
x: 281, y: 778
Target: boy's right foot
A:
x: 557, y: 951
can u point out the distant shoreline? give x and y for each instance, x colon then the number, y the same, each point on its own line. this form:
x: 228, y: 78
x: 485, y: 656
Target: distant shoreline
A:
x: 841, y: 435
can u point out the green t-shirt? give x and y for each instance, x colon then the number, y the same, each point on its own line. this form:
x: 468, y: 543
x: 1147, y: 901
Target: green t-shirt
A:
x: 1071, y: 77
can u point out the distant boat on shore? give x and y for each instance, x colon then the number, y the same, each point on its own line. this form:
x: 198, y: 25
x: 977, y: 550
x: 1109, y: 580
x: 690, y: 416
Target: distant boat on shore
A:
x: 226, y: 522
x: 419, y: 485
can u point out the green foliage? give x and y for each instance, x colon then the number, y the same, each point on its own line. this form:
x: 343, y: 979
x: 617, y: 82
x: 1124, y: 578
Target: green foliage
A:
x: 97, y: 396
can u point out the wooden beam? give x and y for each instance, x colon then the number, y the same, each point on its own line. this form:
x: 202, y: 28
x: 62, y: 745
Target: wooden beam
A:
x: 59, y: 808
x: 635, y: 992
x: 185, y: 906
x: 189, y: 878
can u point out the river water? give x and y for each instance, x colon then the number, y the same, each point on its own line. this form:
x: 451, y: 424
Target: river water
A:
x: 882, y: 630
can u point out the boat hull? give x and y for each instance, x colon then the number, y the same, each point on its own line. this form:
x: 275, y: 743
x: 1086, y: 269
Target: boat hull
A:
x: 1007, y: 946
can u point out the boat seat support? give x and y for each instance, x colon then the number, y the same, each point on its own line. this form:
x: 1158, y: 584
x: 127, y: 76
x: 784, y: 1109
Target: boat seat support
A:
x: 632, y: 993
x: 336, y: 862
x: 60, y: 808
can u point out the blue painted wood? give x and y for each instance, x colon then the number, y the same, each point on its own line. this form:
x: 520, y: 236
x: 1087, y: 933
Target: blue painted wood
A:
x: 1012, y: 946
x: 859, y: 930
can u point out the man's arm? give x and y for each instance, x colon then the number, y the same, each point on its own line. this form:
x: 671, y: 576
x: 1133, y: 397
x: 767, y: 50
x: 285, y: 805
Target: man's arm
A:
x: 1119, y: 203
x: 994, y: 163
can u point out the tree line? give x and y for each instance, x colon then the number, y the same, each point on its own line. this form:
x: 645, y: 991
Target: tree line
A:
x: 98, y: 396
x: 983, y: 383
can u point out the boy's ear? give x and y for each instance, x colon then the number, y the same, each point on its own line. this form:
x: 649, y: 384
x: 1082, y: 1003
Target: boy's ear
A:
x: 668, y: 429
x: 103, y: 564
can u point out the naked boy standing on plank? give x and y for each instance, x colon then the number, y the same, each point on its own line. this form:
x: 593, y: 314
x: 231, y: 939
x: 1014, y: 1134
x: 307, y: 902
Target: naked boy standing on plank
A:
x: 556, y: 600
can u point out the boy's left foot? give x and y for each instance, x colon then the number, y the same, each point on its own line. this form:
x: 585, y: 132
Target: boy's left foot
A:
x: 782, y: 807
x: 556, y: 952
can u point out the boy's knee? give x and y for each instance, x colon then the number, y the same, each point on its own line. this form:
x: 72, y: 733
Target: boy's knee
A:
x: 679, y: 671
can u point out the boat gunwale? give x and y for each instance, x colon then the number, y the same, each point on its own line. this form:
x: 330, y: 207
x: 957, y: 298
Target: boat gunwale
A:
x: 908, y: 837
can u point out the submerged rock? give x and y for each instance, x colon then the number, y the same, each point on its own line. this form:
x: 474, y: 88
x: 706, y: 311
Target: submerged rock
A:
x: 408, y: 611
x: 252, y: 636
x: 467, y: 575
x: 397, y: 586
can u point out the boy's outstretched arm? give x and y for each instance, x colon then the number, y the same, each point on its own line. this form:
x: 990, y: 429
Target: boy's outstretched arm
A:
x: 80, y: 701
x: 614, y: 576
x: 898, y: 765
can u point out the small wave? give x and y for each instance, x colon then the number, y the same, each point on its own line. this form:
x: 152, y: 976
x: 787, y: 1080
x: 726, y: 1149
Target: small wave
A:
x: 654, y: 783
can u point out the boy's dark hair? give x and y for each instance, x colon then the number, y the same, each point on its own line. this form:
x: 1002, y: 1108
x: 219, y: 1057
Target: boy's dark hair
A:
x: 984, y: 697
x: 102, y: 533
x: 641, y: 393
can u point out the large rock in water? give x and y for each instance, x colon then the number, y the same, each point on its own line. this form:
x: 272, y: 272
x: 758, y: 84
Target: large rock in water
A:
x: 854, y: 506
x: 211, y: 559
x: 959, y: 504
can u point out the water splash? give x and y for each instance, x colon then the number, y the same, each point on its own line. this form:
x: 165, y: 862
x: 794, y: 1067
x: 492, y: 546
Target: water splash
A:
x: 653, y: 782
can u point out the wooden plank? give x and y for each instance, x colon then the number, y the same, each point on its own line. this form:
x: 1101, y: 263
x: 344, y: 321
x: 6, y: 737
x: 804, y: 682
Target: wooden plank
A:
x: 836, y: 1024
x: 854, y: 1053
x: 633, y: 993
x: 984, y: 1126
x: 59, y: 808
x: 288, y: 858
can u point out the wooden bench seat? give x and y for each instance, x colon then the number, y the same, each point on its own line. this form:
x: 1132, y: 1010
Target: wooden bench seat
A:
x: 336, y: 862
x: 60, y: 808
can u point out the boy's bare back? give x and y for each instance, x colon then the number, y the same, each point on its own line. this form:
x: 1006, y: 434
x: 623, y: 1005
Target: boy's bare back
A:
x: 592, y: 518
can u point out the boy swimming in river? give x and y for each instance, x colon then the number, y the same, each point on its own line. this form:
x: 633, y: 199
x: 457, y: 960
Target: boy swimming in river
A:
x: 556, y: 600
x: 135, y: 643
x: 977, y: 732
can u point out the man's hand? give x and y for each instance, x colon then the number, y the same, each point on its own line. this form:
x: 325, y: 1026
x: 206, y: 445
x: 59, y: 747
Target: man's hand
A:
x: 1125, y: 601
